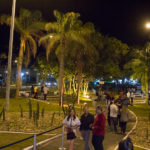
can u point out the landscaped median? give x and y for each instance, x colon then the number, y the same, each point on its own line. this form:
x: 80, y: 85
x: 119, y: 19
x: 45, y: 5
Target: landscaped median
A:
x: 141, y: 135
x: 29, y: 116
x: 25, y: 118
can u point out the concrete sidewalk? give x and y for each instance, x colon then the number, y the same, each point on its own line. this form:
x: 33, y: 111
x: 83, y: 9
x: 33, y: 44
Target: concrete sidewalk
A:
x: 110, y: 141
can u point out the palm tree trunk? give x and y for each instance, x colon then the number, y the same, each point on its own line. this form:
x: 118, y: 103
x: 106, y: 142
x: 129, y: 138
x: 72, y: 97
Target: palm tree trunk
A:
x: 70, y: 86
x: 73, y: 84
x: 87, y: 86
x: 57, y: 79
x: 19, y: 67
x: 64, y: 85
x: 79, y: 65
x: 61, y: 77
x: 146, y: 85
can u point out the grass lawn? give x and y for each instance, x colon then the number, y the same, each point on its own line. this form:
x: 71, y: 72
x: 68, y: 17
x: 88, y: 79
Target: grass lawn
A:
x: 16, y: 123
x: 23, y: 122
x: 15, y: 105
x: 141, y: 110
x: 9, y: 138
x: 137, y: 148
x: 140, y: 135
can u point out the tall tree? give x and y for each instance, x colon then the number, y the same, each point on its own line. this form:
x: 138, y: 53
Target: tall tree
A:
x: 28, y: 25
x: 59, y: 32
x: 112, y: 58
x: 140, y: 66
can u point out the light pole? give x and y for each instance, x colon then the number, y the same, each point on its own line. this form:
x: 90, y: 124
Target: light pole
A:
x: 10, y: 54
x: 147, y: 25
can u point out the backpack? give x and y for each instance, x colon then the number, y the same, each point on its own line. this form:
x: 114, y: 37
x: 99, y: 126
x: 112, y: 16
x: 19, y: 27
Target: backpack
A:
x: 126, y: 144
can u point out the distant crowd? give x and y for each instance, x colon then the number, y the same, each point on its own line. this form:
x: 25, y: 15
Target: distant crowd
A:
x: 44, y: 92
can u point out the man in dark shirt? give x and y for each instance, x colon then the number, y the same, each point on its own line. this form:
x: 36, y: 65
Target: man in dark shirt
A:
x: 87, y: 120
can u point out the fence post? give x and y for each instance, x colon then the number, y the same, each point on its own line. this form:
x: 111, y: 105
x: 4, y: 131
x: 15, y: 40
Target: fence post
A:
x: 63, y: 128
x: 34, y: 142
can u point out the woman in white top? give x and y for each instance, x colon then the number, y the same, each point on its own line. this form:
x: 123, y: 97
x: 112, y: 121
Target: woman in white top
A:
x: 71, y: 123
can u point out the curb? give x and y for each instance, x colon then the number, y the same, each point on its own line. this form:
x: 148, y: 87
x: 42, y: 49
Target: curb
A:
x: 116, y: 148
x: 42, y: 142
x: 9, y: 132
x: 142, y: 147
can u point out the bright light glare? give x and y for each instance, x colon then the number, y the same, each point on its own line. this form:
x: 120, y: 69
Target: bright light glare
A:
x: 50, y: 36
x: 87, y: 96
x: 148, y: 25
x: 22, y: 74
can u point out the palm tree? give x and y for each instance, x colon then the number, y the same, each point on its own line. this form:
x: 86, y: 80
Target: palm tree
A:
x: 59, y: 32
x: 28, y: 25
x: 84, y: 52
x: 141, y: 67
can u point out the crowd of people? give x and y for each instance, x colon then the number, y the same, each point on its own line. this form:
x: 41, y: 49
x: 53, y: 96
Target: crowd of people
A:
x: 117, y: 118
x: 44, y: 92
x: 86, y: 123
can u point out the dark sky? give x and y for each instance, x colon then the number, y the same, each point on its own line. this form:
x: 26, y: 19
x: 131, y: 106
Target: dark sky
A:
x: 122, y: 19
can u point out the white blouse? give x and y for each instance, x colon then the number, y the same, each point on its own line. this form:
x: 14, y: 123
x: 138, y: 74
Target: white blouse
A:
x: 72, y: 122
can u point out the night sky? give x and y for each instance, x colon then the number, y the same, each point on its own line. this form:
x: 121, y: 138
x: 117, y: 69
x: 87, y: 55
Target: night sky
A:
x: 122, y: 19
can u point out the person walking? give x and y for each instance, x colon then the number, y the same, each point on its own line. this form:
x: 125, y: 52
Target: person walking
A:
x: 45, y: 92
x: 113, y: 116
x: 87, y: 120
x: 124, y: 118
x: 71, y: 123
x: 98, y: 129
x: 128, y: 94
x: 132, y: 96
x: 32, y: 91
x: 42, y: 91
x: 36, y: 92
x: 108, y: 115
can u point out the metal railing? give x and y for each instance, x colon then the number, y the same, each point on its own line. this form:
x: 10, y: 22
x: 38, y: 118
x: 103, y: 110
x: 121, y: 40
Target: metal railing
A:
x: 35, y: 138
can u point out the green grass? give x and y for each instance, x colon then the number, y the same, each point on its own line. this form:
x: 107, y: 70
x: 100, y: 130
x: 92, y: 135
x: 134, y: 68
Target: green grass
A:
x: 137, y: 148
x: 142, y: 110
x: 14, y: 105
x: 10, y: 138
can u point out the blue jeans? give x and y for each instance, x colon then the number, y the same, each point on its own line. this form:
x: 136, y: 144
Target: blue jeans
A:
x: 97, y: 141
x: 114, y: 123
x: 86, y: 136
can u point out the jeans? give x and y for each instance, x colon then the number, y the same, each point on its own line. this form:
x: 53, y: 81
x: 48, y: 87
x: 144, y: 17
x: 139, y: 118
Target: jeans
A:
x: 45, y: 96
x: 114, y: 123
x: 123, y: 127
x: 97, y: 141
x: 109, y: 121
x: 86, y: 136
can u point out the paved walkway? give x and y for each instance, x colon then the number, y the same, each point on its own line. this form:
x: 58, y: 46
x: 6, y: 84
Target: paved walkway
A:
x: 110, y: 141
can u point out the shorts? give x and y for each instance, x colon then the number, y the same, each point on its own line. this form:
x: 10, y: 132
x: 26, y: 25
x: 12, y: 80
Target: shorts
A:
x: 71, y: 135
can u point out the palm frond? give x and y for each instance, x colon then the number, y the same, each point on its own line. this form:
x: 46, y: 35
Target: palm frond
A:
x: 52, y: 26
x: 51, y: 44
x: 32, y: 44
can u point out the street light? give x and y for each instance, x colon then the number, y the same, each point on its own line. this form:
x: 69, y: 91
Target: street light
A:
x: 147, y: 25
x: 10, y: 54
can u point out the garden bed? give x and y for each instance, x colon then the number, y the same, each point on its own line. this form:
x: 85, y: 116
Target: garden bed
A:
x: 141, y: 135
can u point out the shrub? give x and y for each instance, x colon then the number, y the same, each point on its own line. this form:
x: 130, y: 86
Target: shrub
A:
x: 43, y: 111
x: 21, y: 111
x: 38, y: 111
x: 30, y: 109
